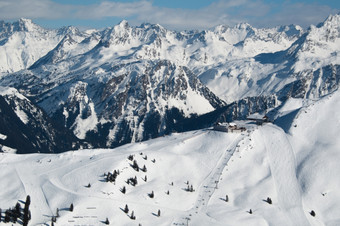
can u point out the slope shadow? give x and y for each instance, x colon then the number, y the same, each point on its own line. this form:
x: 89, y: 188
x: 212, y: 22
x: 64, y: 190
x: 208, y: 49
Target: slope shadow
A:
x: 223, y: 199
x: 271, y: 58
x: 154, y: 214
x: 286, y: 121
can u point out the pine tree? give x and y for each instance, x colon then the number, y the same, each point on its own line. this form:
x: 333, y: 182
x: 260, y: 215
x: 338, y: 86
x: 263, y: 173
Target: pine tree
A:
x: 126, y: 209
x: 17, y: 210
x: 312, y: 213
x: 159, y: 213
x: 28, y: 201
x: 133, y: 217
x: 57, y: 214
x: 269, y: 200
x: 27, y: 213
x: 107, y: 221
x: 250, y: 211
x: 7, y: 217
x: 71, y: 207
x: 130, y: 157
x: 144, y: 168
x: 226, y: 198
x: 123, y: 190
x: 145, y: 179
x: 135, y: 165
x: 151, y: 195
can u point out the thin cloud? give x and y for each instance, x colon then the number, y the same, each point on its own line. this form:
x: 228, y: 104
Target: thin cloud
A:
x: 114, y: 9
x: 302, y: 14
x: 229, y: 12
x: 46, y: 9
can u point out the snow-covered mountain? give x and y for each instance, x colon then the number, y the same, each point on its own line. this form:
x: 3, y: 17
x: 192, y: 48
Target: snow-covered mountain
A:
x: 126, y: 84
x: 268, y: 72
x: 25, y: 128
x: 22, y: 43
x: 232, y: 176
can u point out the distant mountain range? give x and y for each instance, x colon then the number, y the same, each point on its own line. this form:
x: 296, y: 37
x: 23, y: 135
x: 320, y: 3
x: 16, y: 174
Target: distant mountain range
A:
x: 68, y: 89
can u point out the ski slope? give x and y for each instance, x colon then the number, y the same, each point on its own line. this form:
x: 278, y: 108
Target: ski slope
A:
x: 283, y: 170
x: 298, y: 170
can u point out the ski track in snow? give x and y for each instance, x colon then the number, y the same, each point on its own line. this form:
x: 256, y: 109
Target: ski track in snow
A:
x: 37, y: 194
x: 210, y: 184
x: 282, y: 166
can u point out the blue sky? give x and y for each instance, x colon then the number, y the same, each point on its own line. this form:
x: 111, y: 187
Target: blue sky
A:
x: 172, y: 14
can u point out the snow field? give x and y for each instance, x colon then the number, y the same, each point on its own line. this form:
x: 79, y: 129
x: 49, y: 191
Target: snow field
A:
x: 298, y: 170
x: 56, y: 181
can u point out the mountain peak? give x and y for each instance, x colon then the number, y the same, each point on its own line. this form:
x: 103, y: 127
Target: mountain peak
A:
x: 24, y: 24
x: 331, y: 21
x: 123, y: 24
x: 243, y: 26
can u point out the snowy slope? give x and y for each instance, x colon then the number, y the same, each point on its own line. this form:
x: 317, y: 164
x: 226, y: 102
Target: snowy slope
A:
x: 297, y: 170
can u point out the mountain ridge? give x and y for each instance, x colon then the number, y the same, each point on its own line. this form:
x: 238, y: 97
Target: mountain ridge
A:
x: 127, y: 84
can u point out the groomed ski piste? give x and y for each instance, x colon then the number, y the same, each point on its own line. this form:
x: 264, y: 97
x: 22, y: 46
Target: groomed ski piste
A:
x: 297, y: 169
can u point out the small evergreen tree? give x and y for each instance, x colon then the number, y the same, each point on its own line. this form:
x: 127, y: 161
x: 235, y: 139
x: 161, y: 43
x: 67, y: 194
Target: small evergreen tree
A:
x: 7, y: 216
x: 27, y: 213
x: 269, y: 200
x: 57, y: 213
x: 145, y: 179
x: 16, y: 210
x: 107, y: 221
x: 151, y: 195
x: 126, y: 209
x: 71, y: 207
x: 135, y: 165
x: 159, y: 213
x: 312, y: 213
x: 133, y: 217
x: 28, y: 201
x: 123, y: 190
x: 250, y: 211
x: 144, y: 168
x: 226, y: 198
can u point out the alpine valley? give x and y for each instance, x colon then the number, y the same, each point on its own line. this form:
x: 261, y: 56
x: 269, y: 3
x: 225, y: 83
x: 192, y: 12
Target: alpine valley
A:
x: 152, y: 95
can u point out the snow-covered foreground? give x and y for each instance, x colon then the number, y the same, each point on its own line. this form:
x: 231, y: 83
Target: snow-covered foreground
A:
x: 298, y: 170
